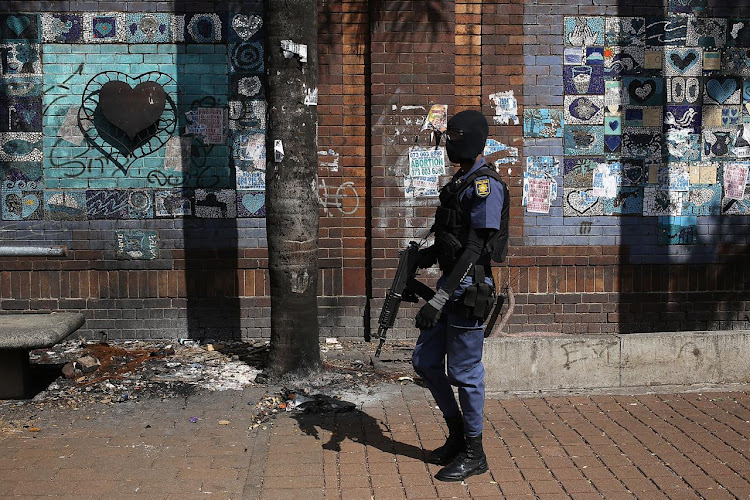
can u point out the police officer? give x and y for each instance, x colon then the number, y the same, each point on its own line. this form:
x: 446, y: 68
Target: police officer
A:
x: 466, y: 225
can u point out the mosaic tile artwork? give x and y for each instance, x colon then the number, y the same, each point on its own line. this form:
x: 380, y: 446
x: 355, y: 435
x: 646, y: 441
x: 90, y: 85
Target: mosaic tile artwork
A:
x: 687, y: 6
x: 579, y: 140
x: 104, y: 27
x: 581, y: 203
x: 681, y: 230
x: 173, y: 203
x: 703, y: 199
x: 62, y: 28
x: 20, y: 26
x: 21, y: 200
x: 627, y: 201
x: 739, y: 33
x: 106, y: 204
x: 149, y: 28
x: 205, y: 28
x: 584, y: 31
x: 580, y: 110
x: 215, y: 204
x: 64, y: 205
x: 251, y: 204
x: 137, y: 244
x: 82, y: 166
x: 737, y: 207
x: 542, y: 123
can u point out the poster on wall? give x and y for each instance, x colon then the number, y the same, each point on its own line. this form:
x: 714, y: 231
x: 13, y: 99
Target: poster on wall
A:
x: 426, y: 162
x: 538, y: 197
x: 735, y: 178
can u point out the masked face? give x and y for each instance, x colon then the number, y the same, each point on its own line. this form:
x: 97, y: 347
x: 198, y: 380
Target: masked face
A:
x: 466, y: 135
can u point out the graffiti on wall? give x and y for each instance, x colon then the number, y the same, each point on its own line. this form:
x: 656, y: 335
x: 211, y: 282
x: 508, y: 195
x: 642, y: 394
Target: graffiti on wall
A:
x: 132, y: 115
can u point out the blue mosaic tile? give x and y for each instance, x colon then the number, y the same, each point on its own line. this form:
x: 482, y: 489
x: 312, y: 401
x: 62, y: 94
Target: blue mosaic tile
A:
x: 251, y: 204
x: 612, y: 125
x: 584, y: 110
x: 737, y: 207
x: 643, y: 91
x: 246, y: 27
x: 584, y: 31
x: 173, y: 203
x: 583, y: 79
x: 641, y: 142
x: 683, y: 62
x: 670, y: 31
x: 104, y: 27
x: 680, y: 145
x: 684, y: 90
x: 625, y: 31
x: 20, y: 171
x: 707, y: 31
x: 723, y: 90
x: 106, y: 204
x: 64, y: 205
x: 249, y: 178
x: 140, y: 204
x: 65, y: 28
x: 250, y: 147
x: 20, y: 26
x: 629, y: 201
x: 20, y: 59
x: 148, y: 28
x: 244, y: 86
x: 136, y: 244
x: 21, y: 146
x: 627, y: 60
x: 677, y: 230
x: 612, y: 144
x: 581, y: 203
x: 542, y: 123
x: 703, y: 199
x: 20, y: 114
x: 249, y: 114
x: 246, y: 57
x: 738, y: 33
x: 683, y: 117
x: 718, y: 142
x: 736, y: 61
x: 688, y: 6
x: 215, y: 204
x: 578, y: 172
x: 21, y: 86
x: 579, y: 140
x: 634, y: 172
x: 205, y: 28
x: 21, y: 200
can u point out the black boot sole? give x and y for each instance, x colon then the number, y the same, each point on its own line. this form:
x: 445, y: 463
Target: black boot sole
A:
x: 448, y: 479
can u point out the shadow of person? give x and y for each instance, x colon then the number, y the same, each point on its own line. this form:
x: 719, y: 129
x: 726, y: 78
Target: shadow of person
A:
x: 343, y: 420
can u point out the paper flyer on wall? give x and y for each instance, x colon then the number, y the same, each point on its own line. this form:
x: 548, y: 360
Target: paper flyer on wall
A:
x: 735, y: 178
x: 426, y: 162
x: 538, y: 197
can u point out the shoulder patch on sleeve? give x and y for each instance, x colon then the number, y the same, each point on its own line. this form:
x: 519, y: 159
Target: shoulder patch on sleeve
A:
x: 482, y: 187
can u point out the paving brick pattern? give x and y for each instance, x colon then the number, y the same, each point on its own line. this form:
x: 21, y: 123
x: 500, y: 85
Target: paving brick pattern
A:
x: 676, y: 446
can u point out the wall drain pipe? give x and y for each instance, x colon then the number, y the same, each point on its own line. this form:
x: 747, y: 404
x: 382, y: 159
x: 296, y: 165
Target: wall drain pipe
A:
x: 31, y: 251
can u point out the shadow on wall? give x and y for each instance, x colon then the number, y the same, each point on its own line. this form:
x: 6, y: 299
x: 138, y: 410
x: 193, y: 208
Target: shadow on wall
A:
x: 210, y: 232
x: 682, y: 68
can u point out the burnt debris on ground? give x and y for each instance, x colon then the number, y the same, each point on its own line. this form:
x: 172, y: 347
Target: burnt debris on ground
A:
x: 83, y: 372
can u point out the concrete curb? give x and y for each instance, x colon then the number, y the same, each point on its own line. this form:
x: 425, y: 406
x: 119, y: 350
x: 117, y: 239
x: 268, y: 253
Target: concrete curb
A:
x: 585, y: 362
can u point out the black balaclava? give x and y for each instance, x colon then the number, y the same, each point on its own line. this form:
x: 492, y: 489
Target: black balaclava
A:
x: 475, y: 130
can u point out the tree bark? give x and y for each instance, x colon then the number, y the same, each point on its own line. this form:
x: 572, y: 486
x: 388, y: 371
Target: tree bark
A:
x: 292, y: 187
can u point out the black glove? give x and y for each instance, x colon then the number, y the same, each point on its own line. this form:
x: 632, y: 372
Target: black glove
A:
x: 429, y: 315
x: 426, y: 257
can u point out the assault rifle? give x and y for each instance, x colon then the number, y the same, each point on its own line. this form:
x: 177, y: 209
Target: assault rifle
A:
x: 404, y: 287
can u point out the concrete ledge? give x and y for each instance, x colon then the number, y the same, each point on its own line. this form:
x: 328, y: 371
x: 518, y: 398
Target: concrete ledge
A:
x: 34, y: 331
x: 573, y: 362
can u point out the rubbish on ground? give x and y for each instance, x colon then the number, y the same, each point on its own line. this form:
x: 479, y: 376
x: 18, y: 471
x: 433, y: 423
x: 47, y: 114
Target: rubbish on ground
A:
x: 405, y: 379
x: 193, y: 420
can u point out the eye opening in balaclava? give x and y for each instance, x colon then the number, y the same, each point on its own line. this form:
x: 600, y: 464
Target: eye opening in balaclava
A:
x: 470, y: 130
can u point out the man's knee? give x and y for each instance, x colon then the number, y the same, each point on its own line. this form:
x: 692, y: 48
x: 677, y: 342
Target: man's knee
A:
x: 466, y: 375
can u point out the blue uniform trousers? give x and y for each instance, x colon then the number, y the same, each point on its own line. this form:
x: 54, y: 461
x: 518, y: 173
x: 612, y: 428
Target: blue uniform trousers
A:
x: 460, y: 340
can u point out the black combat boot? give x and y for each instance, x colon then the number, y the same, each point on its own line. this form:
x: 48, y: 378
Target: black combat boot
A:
x: 469, y: 463
x: 453, y: 445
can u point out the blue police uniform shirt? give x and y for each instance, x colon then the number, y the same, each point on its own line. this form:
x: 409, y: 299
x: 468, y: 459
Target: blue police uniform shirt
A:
x: 483, y: 200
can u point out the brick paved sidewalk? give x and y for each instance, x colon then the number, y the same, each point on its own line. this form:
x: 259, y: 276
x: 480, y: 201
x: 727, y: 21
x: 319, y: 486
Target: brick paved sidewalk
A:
x: 654, y: 446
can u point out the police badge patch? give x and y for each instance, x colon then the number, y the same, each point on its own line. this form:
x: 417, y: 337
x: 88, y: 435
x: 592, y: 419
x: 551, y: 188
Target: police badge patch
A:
x: 482, y: 187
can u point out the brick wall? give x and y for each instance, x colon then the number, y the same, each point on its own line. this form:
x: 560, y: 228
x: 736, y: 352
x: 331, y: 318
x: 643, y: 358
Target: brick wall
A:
x: 170, y: 242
